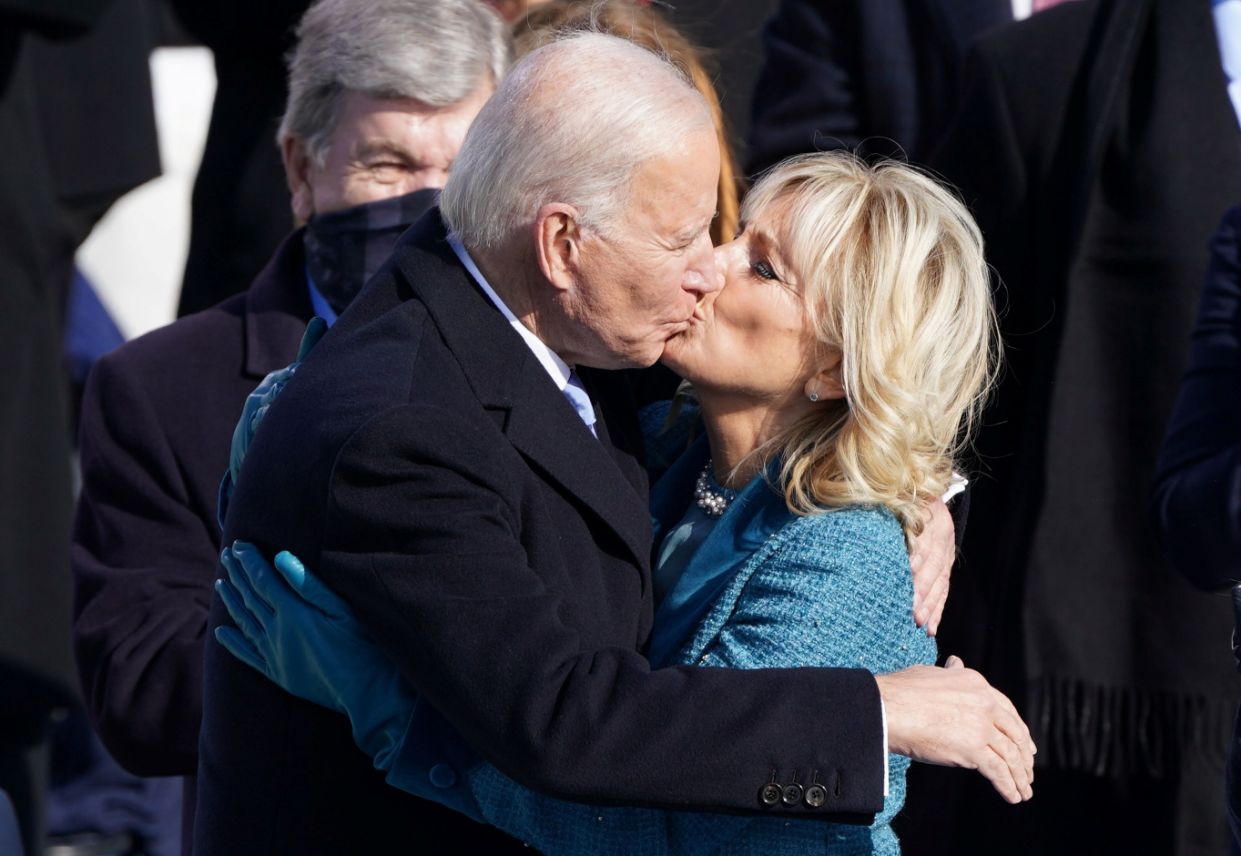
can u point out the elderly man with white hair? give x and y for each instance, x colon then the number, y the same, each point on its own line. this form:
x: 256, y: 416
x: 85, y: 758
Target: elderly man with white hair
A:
x: 381, y: 95
x: 452, y: 462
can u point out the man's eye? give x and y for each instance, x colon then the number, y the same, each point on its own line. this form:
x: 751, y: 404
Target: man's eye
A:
x: 763, y: 270
x: 389, y: 166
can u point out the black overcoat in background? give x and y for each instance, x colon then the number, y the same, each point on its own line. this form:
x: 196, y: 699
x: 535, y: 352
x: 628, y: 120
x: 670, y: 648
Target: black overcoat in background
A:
x: 77, y: 130
x: 424, y: 463
x: 1098, y: 148
x: 157, y: 419
x: 878, y: 76
x: 239, y: 211
x: 1198, y: 493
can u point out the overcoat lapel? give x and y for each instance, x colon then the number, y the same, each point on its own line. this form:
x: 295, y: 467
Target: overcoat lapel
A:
x: 617, y: 424
x: 544, y: 428
x: 508, y: 380
x: 276, y: 315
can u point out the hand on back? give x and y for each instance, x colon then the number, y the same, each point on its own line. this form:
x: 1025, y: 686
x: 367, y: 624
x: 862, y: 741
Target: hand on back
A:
x: 951, y: 716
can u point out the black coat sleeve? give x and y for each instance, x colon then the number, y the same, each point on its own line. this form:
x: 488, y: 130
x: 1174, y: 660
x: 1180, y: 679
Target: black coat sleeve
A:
x: 450, y: 594
x: 1198, y: 486
x: 143, y: 562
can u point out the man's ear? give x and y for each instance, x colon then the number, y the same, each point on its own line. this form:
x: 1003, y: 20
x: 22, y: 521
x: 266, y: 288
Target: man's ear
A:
x: 826, y: 383
x: 297, y: 176
x: 558, y: 244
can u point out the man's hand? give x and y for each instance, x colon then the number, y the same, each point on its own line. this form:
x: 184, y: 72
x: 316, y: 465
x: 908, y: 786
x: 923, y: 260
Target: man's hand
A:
x: 931, y: 558
x: 951, y: 716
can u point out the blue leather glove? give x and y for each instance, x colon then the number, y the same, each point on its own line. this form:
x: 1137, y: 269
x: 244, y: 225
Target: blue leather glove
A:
x: 300, y: 635
x: 256, y: 407
x: 296, y: 632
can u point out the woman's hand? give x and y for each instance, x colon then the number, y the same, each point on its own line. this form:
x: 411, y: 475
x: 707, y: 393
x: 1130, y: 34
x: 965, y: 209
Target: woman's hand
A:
x: 304, y: 638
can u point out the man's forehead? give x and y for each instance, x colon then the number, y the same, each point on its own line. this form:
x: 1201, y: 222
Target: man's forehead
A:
x: 377, y: 126
x: 679, y: 190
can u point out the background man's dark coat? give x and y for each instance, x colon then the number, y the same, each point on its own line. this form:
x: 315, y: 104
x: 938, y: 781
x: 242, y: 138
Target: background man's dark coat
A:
x: 77, y: 129
x: 1198, y: 493
x: 1098, y: 148
x: 239, y: 211
x: 157, y: 418
x: 157, y: 421
x: 840, y: 72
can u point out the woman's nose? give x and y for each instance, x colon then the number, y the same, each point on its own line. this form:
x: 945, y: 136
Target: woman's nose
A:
x: 724, y: 259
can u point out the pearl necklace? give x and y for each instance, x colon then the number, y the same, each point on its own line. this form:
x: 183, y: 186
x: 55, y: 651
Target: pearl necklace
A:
x: 713, y: 500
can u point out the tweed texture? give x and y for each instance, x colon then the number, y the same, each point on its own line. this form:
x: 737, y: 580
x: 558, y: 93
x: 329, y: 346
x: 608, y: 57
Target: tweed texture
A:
x: 831, y: 589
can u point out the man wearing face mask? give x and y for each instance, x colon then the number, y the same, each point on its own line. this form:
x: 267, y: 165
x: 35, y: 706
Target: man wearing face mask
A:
x: 381, y: 93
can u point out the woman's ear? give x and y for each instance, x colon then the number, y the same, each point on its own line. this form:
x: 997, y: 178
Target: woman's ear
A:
x: 558, y: 244
x: 825, y: 384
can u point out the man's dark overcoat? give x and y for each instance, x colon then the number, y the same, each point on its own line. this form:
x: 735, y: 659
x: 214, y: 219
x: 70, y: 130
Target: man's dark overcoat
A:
x: 425, y: 464
x: 868, y: 75
x: 77, y: 130
x: 157, y: 420
x: 239, y: 211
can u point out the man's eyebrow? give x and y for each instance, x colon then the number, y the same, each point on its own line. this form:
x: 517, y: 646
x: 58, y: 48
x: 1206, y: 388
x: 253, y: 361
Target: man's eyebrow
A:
x: 383, y: 148
x: 692, y: 232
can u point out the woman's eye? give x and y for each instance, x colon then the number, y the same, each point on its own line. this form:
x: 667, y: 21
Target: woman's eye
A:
x: 763, y: 270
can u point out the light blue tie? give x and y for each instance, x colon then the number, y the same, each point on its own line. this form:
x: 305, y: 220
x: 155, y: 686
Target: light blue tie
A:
x: 576, y: 393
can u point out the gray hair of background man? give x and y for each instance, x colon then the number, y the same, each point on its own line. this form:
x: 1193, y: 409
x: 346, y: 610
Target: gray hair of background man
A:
x: 433, y: 51
x: 571, y: 123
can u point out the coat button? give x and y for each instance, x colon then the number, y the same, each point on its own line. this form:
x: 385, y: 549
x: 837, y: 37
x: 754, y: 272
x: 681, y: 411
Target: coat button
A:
x: 443, y: 776
x: 770, y: 794
x: 816, y: 795
x: 793, y: 794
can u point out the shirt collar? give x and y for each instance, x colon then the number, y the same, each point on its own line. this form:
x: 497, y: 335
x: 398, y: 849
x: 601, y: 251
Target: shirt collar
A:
x: 557, y: 368
x: 318, y: 302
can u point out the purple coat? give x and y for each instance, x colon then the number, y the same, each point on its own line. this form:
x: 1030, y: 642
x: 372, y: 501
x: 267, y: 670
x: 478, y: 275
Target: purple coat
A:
x: 157, y: 419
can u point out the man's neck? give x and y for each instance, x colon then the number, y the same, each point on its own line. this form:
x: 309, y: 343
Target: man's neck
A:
x: 508, y: 275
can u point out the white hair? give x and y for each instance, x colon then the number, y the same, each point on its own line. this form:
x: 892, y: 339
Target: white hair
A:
x: 437, y: 52
x: 572, y: 123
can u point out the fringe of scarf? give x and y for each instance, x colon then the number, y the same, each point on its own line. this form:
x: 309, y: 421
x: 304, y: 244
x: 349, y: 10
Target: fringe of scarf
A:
x: 1120, y: 731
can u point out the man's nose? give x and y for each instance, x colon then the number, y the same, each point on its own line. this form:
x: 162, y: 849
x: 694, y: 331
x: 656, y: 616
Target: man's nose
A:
x: 703, y: 275
x: 722, y: 259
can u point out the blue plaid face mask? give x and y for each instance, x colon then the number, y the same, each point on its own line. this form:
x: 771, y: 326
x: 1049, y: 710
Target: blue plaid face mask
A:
x: 345, y: 248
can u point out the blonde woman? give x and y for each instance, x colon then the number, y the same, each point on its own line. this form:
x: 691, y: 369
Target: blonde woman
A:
x: 836, y: 374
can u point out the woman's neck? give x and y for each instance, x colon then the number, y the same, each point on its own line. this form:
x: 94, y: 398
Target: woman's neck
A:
x: 737, y: 428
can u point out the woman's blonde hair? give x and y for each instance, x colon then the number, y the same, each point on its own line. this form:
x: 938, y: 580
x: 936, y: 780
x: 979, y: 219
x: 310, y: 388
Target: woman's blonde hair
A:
x: 648, y: 27
x: 894, y: 278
